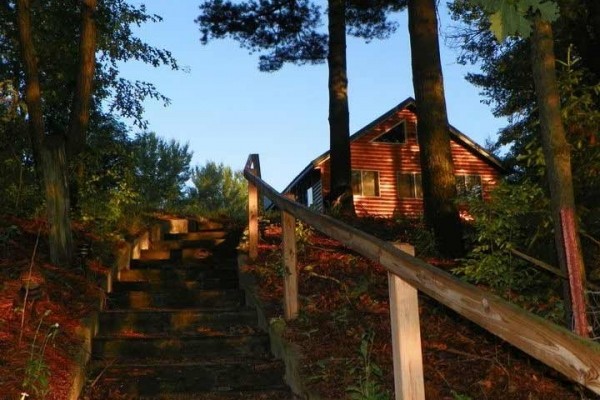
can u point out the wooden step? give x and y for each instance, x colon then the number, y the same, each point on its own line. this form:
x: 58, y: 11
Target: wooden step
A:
x: 176, y: 274
x: 282, y: 394
x: 176, y: 321
x: 173, y: 347
x: 176, y: 298
x: 201, y: 284
x: 143, y: 379
x: 196, y: 236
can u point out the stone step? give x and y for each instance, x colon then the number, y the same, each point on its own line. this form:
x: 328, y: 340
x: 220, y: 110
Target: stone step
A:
x: 194, y: 377
x: 175, y: 347
x: 176, y: 299
x: 176, y: 275
x: 176, y: 321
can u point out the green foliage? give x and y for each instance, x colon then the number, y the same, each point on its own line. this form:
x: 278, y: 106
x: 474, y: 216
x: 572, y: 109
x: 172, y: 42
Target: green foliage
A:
x: 303, y: 233
x: 285, y: 32
x: 7, y: 235
x: 37, y: 373
x: 56, y: 29
x: 106, y: 192
x: 218, y: 192
x: 161, y: 170
x: 458, y: 396
x: 367, y: 374
x: 119, y: 179
x: 101, y: 191
x: 511, y: 17
x: 18, y: 190
x: 516, y: 216
x: 423, y: 239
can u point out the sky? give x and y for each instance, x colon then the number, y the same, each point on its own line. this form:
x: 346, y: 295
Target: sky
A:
x: 225, y: 108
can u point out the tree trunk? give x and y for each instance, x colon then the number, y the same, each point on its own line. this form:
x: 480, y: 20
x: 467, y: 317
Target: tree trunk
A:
x: 439, y: 186
x: 33, y: 92
x: 558, y: 163
x: 80, y: 109
x: 339, y: 120
x: 54, y: 165
x: 50, y: 150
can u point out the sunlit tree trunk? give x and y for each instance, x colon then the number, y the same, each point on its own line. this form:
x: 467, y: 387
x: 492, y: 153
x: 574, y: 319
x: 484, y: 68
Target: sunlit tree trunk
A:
x: 439, y: 187
x: 51, y: 150
x: 80, y: 109
x: 339, y: 120
x: 557, y: 155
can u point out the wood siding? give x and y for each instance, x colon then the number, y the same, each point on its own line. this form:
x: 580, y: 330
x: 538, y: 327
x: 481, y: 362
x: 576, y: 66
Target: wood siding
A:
x: 391, y: 159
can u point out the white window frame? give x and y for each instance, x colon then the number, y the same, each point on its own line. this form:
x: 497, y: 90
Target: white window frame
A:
x: 377, y: 186
x: 413, y: 185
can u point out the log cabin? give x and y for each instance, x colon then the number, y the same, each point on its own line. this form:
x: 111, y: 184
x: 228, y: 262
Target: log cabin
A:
x: 386, y: 170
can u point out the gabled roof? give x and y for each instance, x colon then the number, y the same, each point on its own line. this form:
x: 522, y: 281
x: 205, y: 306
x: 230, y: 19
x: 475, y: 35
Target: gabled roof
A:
x: 408, y: 103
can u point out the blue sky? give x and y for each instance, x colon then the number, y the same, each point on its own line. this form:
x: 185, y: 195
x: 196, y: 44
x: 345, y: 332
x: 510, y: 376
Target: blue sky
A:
x: 225, y: 108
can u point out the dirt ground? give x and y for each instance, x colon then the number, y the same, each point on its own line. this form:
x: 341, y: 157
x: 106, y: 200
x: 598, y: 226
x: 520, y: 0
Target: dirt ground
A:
x: 344, y: 333
x: 38, y: 339
x: 344, y: 310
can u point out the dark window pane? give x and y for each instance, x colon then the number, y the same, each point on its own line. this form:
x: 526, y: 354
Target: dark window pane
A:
x: 418, y: 186
x: 356, y: 186
x: 468, y: 185
x: 395, y: 135
x: 461, y: 189
x: 404, y: 185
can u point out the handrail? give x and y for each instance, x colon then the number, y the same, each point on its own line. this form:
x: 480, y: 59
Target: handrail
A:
x: 549, y: 268
x: 575, y: 357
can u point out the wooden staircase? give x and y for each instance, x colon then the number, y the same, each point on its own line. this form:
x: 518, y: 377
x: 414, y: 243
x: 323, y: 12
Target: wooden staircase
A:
x: 177, y: 327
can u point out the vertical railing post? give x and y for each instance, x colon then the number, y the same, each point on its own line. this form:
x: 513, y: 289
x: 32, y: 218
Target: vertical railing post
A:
x: 290, y: 284
x: 253, y: 210
x: 406, y: 336
x: 252, y: 221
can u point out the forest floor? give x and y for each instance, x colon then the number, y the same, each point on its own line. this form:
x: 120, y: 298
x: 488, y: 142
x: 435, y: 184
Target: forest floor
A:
x: 344, y: 311
x: 343, y: 331
x: 39, y: 339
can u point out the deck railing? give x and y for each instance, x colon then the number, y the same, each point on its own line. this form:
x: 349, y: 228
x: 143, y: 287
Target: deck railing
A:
x: 575, y: 357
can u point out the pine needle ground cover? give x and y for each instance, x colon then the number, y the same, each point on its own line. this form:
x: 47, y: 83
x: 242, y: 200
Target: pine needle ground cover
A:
x: 39, y: 340
x: 343, y: 331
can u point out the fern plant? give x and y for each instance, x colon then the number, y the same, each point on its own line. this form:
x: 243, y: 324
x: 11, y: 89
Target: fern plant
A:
x: 367, y: 373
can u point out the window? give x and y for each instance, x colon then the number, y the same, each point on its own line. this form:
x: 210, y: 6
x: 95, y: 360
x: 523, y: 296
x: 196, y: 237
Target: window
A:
x: 468, y: 185
x: 396, y: 135
x: 309, y: 197
x: 409, y: 185
x: 365, y: 183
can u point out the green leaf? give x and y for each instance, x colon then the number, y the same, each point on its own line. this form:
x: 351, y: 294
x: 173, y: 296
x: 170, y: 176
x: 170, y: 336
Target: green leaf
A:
x: 511, y: 17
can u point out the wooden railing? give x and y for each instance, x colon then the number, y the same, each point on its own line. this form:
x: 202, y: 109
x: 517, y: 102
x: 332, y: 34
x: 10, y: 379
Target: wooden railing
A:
x: 575, y: 357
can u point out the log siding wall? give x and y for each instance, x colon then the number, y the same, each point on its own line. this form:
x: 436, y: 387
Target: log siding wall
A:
x: 391, y: 159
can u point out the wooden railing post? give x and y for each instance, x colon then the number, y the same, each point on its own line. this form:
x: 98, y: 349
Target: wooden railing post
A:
x: 254, y: 164
x: 406, y: 336
x: 290, y: 295
x: 252, y: 221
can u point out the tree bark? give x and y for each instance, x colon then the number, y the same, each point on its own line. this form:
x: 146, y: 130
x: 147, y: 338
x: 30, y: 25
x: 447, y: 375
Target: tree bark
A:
x: 437, y: 167
x: 80, y: 109
x: 339, y: 120
x: 55, y: 167
x: 33, y: 92
x: 557, y: 155
x: 50, y: 150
